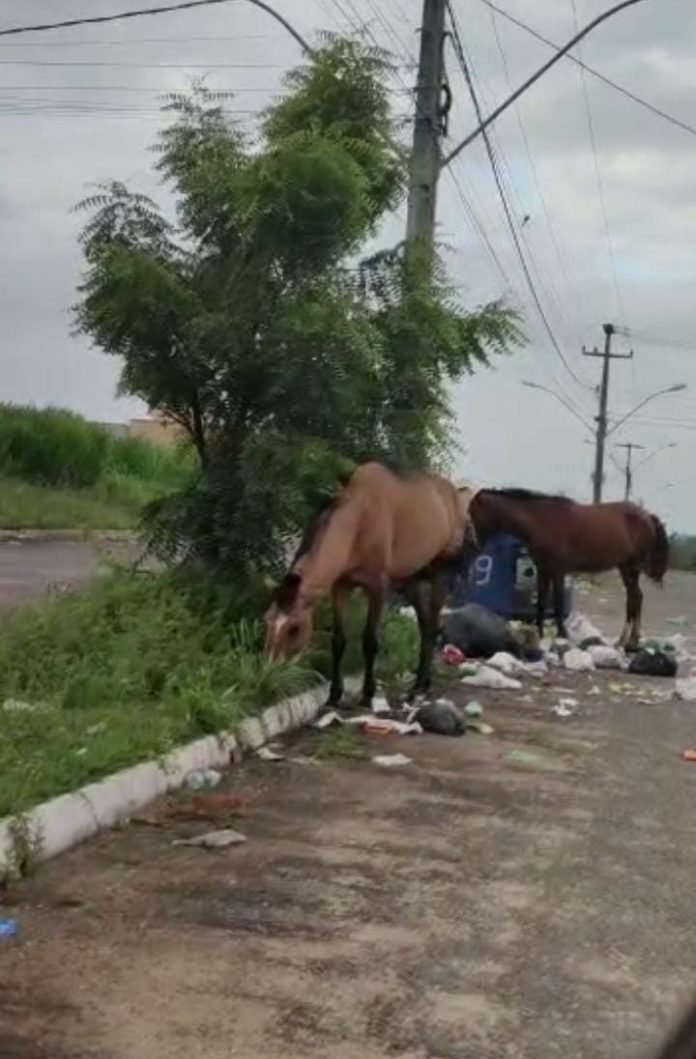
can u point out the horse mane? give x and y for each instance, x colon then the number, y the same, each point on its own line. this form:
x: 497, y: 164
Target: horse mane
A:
x: 529, y: 496
x: 286, y: 592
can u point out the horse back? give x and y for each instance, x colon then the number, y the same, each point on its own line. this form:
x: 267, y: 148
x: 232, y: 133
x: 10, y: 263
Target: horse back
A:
x: 407, y: 521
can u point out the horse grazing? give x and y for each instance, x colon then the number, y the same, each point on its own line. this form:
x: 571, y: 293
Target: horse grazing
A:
x: 564, y: 537
x: 384, y: 530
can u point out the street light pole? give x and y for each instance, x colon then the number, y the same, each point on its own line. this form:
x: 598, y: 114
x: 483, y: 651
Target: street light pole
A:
x: 601, y: 432
x: 628, y: 474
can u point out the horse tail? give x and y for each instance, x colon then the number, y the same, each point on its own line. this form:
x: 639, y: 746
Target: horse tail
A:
x: 657, y: 559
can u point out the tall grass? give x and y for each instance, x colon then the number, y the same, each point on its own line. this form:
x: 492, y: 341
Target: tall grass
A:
x: 51, y: 446
x: 123, y: 671
x: 60, y: 471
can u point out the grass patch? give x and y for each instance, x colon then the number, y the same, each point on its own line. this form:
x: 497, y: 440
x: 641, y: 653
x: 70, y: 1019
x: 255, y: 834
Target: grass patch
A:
x: 343, y: 742
x: 137, y: 664
x: 58, y: 471
x: 124, y: 671
x: 27, y: 506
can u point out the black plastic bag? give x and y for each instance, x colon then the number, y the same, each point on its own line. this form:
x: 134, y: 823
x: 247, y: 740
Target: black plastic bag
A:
x: 651, y: 663
x: 478, y: 632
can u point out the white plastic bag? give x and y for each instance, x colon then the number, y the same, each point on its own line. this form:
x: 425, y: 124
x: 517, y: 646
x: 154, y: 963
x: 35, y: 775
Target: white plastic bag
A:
x: 605, y: 657
x: 578, y: 661
x: 490, y: 678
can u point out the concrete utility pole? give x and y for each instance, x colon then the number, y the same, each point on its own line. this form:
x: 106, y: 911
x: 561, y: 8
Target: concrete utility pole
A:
x: 628, y: 472
x: 601, y: 419
x: 428, y: 125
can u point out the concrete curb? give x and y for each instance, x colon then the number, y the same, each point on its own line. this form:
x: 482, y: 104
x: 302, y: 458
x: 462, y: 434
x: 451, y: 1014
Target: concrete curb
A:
x: 39, y: 536
x: 56, y: 826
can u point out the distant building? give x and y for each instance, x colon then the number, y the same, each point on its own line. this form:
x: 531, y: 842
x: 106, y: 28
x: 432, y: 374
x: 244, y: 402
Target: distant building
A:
x: 156, y: 429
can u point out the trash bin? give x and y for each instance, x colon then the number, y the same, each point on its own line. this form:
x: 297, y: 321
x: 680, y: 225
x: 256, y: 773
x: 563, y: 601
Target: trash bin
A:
x: 503, y: 578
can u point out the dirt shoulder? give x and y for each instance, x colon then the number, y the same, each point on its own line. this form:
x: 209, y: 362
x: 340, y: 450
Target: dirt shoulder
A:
x: 473, y: 905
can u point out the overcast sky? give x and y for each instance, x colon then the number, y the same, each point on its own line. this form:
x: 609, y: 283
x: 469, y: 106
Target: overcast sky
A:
x: 80, y: 105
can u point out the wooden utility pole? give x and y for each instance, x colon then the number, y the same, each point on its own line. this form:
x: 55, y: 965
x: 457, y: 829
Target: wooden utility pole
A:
x: 428, y: 126
x: 628, y: 472
x: 601, y: 419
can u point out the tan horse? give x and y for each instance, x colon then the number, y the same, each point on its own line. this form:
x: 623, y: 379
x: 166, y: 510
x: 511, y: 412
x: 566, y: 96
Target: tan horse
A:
x: 384, y: 530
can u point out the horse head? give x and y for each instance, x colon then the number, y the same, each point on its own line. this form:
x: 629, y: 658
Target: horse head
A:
x: 289, y: 623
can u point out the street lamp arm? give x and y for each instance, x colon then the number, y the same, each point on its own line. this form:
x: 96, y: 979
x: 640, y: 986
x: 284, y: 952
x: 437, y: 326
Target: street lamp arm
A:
x: 535, y: 77
x: 566, y: 404
x: 641, y: 404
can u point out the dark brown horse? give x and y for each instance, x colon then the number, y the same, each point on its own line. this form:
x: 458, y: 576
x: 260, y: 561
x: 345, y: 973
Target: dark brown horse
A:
x: 564, y: 537
x: 383, y: 531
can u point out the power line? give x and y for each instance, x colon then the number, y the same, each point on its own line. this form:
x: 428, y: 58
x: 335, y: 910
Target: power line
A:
x: 528, y: 151
x: 459, y: 51
x: 143, y: 65
x: 590, y: 70
x: 479, y: 228
x: 183, y: 5
x: 130, y: 41
x: 598, y: 176
x: 533, y: 78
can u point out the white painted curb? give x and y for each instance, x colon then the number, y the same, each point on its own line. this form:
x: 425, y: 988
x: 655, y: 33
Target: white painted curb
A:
x: 58, y: 825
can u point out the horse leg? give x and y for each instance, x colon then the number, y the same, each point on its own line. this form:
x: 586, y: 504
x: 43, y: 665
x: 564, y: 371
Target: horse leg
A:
x: 339, y: 601
x: 415, y: 598
x: 543, y: 584
x: 559, y: 604
x: 630, y: 636
x: 438, y: 594
x: 375, y: 604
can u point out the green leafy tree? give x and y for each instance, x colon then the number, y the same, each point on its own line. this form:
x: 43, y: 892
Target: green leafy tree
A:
x: 245, y: 319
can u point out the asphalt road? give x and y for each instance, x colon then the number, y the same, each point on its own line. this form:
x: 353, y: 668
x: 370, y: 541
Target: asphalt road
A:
x: 31, y: 569
x: 476, y: 904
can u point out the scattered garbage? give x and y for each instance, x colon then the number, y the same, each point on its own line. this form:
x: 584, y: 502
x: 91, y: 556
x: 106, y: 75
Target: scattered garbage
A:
x: 481, y: 727
x: 478, y: 632
x: 565, y: 708
x: 473, y: 709
x: 213, y: 839
x: 267, y: 753
x: 581, y: 631
x: 578, y: 661
x: 681, y: 621
x: 385, y: 726
x: 202, y: 778
x: 218, y: 807
x: 648, y: 662
x: 538, y: 668
x: 606, y: 657
x: 327, y: 720
x: 686, y: 689
x: 9, y: 928
x: 452, y: 655
x: 441, y: 717
x: 390, y: 761
x: 380, y: 705
x: 486, y: 677
x: 689, y: 755
x: 506, y: 663
x: 527, y: 759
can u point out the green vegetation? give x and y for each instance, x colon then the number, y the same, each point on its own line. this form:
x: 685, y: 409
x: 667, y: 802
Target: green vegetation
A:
x: 123, y: 671
x: 129, y: 668
x: 246, y: 319
x: 58, y: 471
x: 682, y: 554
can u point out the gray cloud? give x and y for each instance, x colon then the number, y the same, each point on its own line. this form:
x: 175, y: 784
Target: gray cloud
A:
x: 62, y: 127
